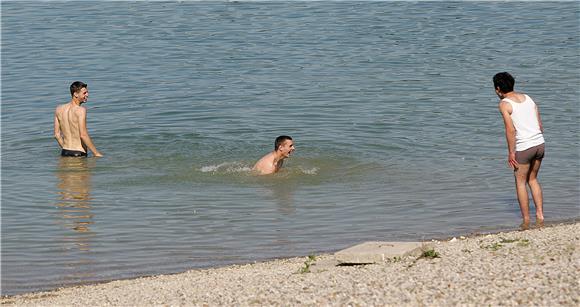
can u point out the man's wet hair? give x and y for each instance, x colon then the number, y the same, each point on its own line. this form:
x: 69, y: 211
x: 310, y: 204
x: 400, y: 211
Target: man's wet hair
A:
x: 76, y: 86
x: 280, y: 140
x: 504, y: 81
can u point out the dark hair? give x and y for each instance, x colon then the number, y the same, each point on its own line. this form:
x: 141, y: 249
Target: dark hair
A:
x: 504, y: 81
x: 280, y: 140
x: 76, y: 86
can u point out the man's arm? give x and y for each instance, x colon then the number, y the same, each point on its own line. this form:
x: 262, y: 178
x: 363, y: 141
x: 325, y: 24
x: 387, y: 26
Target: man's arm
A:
x: 57, y: 134
x: 84, y: 133
x: 510, y: 133
x: 539, y: 119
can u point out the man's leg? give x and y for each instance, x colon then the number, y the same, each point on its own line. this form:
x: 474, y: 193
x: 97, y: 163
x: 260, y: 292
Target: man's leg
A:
x: 536, y: 189
x: 521, y: 175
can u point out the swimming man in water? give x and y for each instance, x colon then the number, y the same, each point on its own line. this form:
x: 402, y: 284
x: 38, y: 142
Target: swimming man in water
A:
x: 272, y: 162
x: 70, y: 124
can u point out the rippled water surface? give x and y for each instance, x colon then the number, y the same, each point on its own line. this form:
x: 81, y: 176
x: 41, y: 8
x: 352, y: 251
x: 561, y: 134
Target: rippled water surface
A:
x: 390, y: 105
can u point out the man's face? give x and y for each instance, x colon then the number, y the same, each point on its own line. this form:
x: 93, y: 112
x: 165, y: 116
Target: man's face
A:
x: 287, y: 148
x: 498, y: 93
x: 82, y: 94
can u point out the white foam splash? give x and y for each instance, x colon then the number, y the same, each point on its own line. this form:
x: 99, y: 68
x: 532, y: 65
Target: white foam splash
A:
x: 239, y: 167
x: 312, y: 171
x: 209, y: 168
x: 226, y: 167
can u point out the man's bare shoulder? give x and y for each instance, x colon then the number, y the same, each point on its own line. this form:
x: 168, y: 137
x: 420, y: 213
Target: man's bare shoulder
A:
x: 264, y: 165
x: 78, y: 110
x: 70, y: 106
x: 505, y: 108
x: 60, y: 107
x: 503, y: 104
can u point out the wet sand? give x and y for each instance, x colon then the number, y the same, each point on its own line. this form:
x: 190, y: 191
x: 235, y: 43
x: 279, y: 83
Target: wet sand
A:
x: 532, y: 267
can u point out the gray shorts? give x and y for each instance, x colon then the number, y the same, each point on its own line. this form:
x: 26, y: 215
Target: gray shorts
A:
x: 534, y: 153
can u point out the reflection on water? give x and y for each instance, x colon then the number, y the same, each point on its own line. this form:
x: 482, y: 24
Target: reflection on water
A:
x: 284, y: 196
x: 74, y: 203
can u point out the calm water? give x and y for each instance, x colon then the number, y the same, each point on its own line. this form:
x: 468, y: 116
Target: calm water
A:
x: 390, y: 105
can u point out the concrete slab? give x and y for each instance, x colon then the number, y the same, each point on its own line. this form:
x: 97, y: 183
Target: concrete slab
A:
x: 376, y: 252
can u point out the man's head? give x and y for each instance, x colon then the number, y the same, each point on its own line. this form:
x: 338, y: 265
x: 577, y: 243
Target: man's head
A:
x: 503, y: 82
x: 79, y: 90
x: 284, y: 145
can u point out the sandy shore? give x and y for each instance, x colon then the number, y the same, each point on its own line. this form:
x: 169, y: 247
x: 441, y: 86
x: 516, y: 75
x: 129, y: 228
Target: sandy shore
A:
x: 534, y: 267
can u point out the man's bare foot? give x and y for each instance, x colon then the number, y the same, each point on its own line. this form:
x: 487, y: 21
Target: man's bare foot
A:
x: 525, y: 225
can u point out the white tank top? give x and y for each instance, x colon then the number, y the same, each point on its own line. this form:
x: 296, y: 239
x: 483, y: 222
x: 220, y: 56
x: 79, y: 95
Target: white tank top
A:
x: 525, y: 119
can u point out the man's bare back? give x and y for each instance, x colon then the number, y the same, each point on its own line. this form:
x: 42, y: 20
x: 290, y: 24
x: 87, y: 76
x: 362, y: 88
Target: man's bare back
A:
x: 67, y: 116
x: 70, y: 129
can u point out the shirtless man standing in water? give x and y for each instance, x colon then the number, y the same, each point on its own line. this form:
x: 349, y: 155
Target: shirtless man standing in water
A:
x: 70, y: 124
x: 272, y: 162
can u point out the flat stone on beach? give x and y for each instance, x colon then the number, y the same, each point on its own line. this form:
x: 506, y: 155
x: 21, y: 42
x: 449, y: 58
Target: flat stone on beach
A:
x: 376, y: 252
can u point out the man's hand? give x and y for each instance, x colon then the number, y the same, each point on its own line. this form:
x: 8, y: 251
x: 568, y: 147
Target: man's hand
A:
x: 512, y: 161
x: 97, y: 154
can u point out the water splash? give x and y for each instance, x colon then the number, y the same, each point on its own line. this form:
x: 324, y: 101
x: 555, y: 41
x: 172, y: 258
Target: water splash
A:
x: 227, y: 168
x: 310, y: 171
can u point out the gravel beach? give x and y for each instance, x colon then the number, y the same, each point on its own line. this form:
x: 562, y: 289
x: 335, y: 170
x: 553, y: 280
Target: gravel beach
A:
x: 536, y: 267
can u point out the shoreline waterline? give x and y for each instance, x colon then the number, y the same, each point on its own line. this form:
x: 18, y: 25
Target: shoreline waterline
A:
x: 556, y: 240
x: 442, y: 237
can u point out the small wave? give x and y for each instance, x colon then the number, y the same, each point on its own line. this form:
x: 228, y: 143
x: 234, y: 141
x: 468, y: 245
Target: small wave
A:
x: 311, y: 171
x: 226, y: 167
x: 239, y: 167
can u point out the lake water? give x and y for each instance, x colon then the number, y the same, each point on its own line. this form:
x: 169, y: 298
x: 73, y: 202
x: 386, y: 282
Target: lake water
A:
x: 390, y: 104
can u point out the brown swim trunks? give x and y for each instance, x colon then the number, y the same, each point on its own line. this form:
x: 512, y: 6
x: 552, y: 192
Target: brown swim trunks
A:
x: 534, y: 153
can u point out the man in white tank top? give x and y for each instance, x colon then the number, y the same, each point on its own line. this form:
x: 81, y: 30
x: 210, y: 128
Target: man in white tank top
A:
x: 525, y: 142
